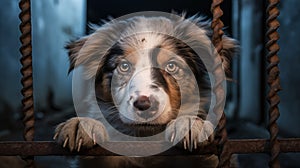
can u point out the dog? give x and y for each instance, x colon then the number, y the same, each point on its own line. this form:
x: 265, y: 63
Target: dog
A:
x: 149, y: 76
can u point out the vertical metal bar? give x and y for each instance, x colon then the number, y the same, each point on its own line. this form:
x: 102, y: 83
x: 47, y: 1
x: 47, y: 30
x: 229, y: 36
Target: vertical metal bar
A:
x: 217, y: 26
x: 273, y: 79
x: 27, y: 80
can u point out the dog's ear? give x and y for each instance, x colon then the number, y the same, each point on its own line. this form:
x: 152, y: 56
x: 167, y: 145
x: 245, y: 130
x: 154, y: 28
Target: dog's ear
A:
x: 90, y: 50
x: 230, y: 48
x: 74, y: 48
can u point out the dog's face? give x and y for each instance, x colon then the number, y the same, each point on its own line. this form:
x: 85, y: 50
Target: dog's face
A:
x: 149, y: 79
x: 141, y: 83
x: 144, y: 69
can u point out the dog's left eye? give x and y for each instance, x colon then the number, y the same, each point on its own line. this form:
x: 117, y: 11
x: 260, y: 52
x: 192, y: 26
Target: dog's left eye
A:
x: 171, y: 67
x: 124, y: 67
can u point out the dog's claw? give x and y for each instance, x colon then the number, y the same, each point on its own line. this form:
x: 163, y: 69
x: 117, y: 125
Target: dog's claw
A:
x: 55, y: 136
x: 65, y: 142
x: 94, y: 139
x: 184, y: 144
x: 190, y: 143
x: 79, y: 144
x: 172, y: 137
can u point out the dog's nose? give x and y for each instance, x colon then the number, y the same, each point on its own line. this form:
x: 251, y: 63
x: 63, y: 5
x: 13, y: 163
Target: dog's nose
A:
x: 142, y: 103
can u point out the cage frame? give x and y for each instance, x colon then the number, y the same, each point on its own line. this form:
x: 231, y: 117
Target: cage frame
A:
x: 223, y: 147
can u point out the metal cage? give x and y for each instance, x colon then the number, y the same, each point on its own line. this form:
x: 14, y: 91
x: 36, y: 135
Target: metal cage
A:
x: 223, y: 147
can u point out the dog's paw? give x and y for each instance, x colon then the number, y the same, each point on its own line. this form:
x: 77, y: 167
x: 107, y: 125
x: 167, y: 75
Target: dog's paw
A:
x: 190, y: 132
x: 80, y: 132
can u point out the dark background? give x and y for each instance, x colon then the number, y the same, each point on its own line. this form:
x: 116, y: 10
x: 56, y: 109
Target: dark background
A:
x: 55, y: 22
x: 117, y: 8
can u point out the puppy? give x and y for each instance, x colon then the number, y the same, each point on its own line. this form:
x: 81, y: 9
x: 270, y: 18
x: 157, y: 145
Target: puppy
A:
x: 149, y: 76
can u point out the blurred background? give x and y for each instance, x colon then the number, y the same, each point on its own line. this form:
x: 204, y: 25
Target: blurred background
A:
x: 55, y: 22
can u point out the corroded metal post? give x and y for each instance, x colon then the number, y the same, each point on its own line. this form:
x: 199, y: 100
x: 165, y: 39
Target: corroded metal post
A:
x: 27, y: 81
x: 217, y: 26
x: 273, y: 79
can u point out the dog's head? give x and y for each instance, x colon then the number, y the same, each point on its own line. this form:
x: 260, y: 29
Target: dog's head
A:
x: 149, y: 67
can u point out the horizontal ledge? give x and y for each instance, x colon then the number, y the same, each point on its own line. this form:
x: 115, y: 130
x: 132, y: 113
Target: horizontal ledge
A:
x: 243, y: 146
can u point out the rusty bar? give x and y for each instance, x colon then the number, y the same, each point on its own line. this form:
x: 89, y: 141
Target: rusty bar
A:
x: 289, y: 145
x: 50, y: 148
x: 273, y: 79
x: 46, y: 148
x: 217, y: 26
x: 27, y: 81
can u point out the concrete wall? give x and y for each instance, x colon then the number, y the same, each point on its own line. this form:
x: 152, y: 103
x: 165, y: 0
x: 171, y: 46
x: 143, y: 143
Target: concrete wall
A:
x: 251, y: 17
x: 250, y: 64
x: 54, y: 23
x: 9, y: 61
x: 289, y: 65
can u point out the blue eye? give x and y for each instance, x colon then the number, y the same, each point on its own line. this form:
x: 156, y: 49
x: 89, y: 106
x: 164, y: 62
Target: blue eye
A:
x: 171, y: 67
x: 124, y: 67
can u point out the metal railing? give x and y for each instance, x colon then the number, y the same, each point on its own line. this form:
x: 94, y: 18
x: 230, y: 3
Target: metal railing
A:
x: 223, y: 147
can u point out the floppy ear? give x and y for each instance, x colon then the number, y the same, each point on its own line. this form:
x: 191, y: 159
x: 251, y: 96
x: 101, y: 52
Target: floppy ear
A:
x: 230, y: 48
x: 79, y: 56
x: 90, y: 50
x: 74, y: 48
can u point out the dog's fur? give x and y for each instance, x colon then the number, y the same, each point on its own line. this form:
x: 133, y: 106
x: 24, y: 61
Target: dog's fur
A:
x: 144, y: 70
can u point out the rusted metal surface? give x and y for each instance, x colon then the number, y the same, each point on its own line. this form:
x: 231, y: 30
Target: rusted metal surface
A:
x: 52, y: 148
x: 217, y: 26
x: 244, y: 146
x: 273, y: 79
x: 224, y: 156
x: 26, y: 60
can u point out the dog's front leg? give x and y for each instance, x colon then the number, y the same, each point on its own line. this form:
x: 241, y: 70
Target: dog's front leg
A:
x: 190, y: 132
x: 80, y: 132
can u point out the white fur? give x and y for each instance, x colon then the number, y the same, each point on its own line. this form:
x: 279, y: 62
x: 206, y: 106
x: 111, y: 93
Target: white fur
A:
x: 140, y: 85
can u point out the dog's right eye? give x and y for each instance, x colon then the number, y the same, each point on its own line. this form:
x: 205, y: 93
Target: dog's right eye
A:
x: 124, y: 67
